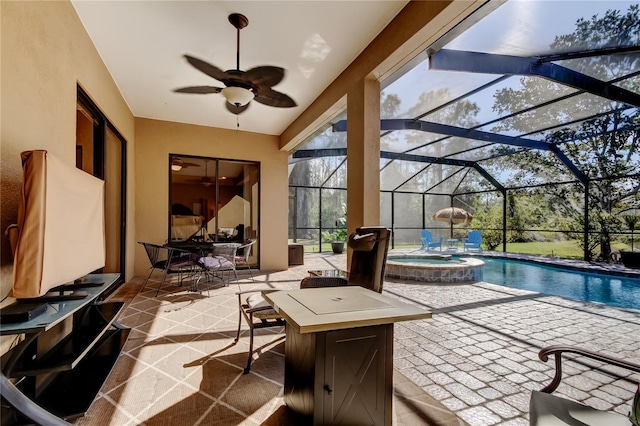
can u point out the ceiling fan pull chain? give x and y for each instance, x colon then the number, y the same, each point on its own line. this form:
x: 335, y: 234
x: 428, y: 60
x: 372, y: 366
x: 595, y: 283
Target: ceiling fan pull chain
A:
x: 237, y: 122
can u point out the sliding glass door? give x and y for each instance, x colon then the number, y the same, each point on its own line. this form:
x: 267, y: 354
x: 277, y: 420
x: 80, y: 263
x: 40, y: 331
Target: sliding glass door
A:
x: 213, y: 199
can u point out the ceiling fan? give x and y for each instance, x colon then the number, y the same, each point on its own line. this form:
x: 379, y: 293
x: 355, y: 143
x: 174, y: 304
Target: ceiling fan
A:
x: 206, y: 179
x: 241, y: 86
x: 178, y: 164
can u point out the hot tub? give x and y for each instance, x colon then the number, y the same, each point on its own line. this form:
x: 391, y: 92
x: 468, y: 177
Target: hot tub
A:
x: 434, y: 268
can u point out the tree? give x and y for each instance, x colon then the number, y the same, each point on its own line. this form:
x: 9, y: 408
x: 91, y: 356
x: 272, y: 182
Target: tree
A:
x: 603, y: 147
x: 490, y: 221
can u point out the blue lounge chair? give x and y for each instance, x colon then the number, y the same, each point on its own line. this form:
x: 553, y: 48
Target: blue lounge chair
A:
x: 473, y: 242
x: 429, y: 243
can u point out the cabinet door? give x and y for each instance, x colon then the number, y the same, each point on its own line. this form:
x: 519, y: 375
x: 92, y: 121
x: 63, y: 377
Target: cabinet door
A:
x: 358, y: 376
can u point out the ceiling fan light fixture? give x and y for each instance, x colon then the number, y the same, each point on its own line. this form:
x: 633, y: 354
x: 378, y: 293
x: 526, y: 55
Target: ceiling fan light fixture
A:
x: 238, y: 96
x: 176, y: 165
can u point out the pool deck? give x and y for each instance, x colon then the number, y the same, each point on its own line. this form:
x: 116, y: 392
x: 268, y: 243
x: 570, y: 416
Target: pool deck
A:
x: 478, y: 354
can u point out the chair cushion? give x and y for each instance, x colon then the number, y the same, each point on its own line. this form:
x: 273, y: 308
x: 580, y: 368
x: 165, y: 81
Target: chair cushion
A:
x: 216, y: 262
x: 257, y: 301
x: 551, y: 410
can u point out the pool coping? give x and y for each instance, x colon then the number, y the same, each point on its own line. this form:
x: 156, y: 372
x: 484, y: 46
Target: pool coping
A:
x: 467, y: 262
x: 575, y: 264
x: 466, y: 270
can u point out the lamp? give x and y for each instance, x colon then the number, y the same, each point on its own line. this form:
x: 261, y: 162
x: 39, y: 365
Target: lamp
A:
x: 176, y: 165
x: 238, y: 96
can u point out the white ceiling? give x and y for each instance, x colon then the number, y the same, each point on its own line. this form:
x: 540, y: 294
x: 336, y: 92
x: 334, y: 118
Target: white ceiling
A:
x: 142, y: 44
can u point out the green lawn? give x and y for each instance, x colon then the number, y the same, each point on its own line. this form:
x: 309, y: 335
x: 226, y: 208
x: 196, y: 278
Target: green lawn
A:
x: 567, y: 249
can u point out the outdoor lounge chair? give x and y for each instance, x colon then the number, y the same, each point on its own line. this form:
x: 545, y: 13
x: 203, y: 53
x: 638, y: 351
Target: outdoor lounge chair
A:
x: 473, y: 242
x: 546, y: 409
x: 369, y: 245
x: 428, y: 242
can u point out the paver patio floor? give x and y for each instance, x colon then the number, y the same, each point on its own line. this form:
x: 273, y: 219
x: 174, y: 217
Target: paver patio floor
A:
x: 477, y: 356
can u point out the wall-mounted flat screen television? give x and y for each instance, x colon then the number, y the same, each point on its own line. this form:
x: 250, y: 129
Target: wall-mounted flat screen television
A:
x: 60, y: 226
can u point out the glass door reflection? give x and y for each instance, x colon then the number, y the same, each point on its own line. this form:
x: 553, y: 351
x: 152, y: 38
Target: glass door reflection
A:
x: 214, y: 199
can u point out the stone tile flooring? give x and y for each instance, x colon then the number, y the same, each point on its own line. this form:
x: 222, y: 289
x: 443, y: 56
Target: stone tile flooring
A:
x: 477, y: 356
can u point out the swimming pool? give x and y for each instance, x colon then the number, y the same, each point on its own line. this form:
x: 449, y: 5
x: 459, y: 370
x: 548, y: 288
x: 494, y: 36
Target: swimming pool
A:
x: 620, y: 291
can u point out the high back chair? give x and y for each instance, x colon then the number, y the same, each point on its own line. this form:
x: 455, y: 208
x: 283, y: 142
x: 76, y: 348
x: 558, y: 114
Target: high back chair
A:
x: 168, y: 260
x: 369, y: 245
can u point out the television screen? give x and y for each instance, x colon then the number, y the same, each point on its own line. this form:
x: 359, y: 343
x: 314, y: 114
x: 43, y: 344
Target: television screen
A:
x: 60, y: 225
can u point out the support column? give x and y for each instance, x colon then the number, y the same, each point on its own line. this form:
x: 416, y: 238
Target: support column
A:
x: 363, y: 154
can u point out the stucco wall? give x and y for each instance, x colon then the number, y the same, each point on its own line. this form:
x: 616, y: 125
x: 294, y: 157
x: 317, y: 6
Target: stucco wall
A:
x: 45, y: 53
x: 155, y: 140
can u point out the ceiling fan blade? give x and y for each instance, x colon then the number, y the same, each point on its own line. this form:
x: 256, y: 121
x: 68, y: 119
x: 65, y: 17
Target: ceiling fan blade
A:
x: 275, y: 99
x: 187, y: 164
x: 265, y: 76
x: 207, y: 68
x: 236, y: 109
x: 201, y: 90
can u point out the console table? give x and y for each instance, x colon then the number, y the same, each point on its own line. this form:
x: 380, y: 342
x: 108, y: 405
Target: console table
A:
x: 339, y: 352
x: 67, y: 353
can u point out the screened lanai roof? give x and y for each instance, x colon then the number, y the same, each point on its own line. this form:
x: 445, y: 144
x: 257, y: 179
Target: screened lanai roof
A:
x: 530, y: 76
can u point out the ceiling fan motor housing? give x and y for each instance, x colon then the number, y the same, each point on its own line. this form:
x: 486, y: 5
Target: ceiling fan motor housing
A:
x: 238, y: 20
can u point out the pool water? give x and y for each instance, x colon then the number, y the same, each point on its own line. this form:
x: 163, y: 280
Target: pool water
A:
x: 620, y: 291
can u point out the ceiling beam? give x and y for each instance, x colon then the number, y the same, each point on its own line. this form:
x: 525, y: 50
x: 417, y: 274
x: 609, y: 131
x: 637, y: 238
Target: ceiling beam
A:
x: 445, y: 129
x: 488, y: 63
x: 338, y: 152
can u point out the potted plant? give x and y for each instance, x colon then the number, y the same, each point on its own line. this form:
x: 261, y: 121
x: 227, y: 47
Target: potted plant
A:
x: 337, y: 245
x: 336, y: 238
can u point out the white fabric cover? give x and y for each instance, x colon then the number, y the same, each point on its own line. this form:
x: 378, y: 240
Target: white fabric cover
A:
x: 61, y: 225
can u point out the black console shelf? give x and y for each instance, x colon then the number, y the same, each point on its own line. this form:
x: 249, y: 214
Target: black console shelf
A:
x: 61, y: 382
x: 92, y: 323
x: 71, y: 392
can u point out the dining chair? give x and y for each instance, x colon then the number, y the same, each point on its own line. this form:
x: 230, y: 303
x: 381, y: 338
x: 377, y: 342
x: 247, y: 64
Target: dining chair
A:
x: 220, y: 261
x: 242, y: 256
x: 169, y: 260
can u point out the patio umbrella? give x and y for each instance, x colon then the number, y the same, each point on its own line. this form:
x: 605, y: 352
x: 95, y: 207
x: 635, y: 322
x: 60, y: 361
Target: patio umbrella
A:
x: 452, y: 215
